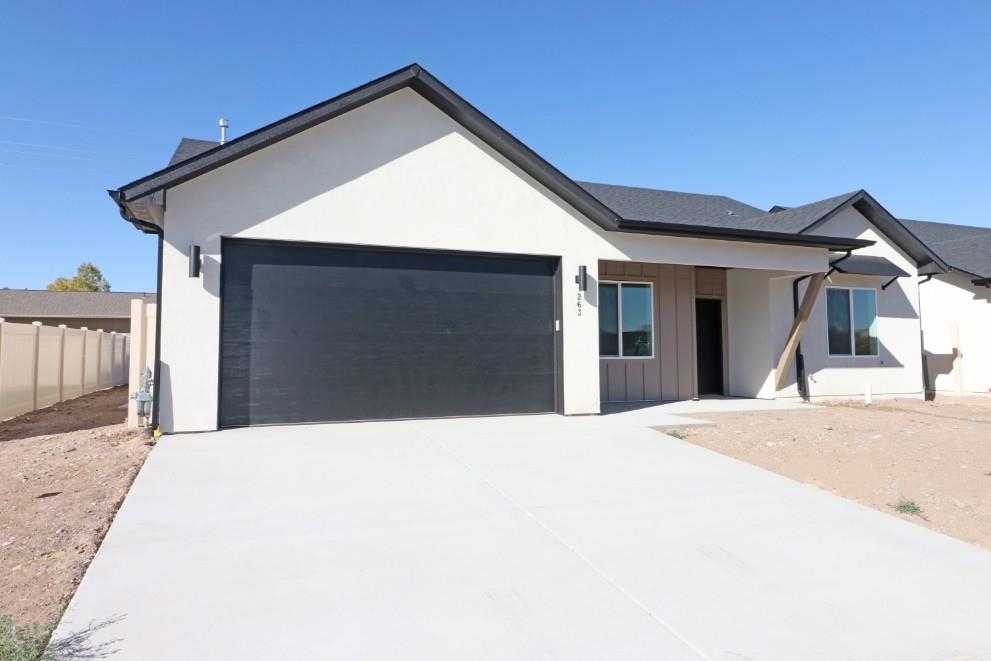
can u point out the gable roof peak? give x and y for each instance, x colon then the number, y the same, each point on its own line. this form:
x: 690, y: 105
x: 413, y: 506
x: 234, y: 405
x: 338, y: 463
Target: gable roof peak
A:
x: 139, y: 206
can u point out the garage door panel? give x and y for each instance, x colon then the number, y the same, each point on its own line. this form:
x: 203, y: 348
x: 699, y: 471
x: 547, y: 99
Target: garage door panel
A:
x: 314, y: 334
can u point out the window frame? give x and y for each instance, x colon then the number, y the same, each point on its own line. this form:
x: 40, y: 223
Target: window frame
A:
x: 619, y: 318
x: 853, y: 339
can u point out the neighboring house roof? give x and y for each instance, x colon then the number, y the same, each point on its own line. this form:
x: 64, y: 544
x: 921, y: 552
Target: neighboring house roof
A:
x: 41, y: 303
x: 964, y: 248
x: 142, y: 202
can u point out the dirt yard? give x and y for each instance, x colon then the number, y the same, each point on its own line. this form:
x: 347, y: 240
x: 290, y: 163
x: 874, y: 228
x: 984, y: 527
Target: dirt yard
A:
x: 65, y: 471
x: 936, y: 454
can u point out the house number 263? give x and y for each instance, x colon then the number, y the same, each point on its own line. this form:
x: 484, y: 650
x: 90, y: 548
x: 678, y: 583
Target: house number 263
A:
x: 578, y: 304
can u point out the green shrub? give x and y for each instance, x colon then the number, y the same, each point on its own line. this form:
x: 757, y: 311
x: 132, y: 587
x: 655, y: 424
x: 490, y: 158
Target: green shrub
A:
x: 905, y: 506
x: 22, y: 643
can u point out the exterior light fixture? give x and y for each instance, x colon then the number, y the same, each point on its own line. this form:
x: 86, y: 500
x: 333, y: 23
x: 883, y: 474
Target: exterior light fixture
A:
x: 194, y: 261
x: 582, y: 278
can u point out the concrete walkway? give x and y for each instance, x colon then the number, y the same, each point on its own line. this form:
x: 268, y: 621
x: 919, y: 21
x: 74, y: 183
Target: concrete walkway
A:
x: 686, y: 413
x: 521, y: 538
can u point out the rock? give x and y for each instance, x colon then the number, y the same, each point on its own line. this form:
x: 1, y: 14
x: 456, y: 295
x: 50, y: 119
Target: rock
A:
x: 68, y: 448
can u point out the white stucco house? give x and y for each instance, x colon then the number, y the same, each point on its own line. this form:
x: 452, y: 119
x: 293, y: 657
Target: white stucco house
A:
x: 956, y: 308
x: 393, y: 253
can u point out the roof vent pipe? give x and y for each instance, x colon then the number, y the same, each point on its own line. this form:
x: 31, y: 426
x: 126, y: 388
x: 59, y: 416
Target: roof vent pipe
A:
x: 223, y: 124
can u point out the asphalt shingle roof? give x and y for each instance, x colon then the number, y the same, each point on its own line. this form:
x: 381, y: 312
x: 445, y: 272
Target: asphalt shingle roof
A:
x: 654, y: 205
x: 796, y: 219
x: 963, y: 247
x: 43, y: 303
x: 189, y: 147
x: 665, y: 206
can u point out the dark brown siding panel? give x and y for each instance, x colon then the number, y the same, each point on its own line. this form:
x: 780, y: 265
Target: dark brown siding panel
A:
x: 617, y: 381
x: 686, y: 333
x: 670, y: 374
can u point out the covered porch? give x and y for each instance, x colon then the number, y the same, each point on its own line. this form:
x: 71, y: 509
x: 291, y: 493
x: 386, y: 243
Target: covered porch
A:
x: 675, y: 332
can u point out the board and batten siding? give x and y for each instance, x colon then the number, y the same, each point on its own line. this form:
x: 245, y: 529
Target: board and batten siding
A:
x: 670, y: 373
x: 710, y: 283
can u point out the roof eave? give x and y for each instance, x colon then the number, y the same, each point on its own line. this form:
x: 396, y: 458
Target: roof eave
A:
x: 128, y: 212
x: 884, y: 220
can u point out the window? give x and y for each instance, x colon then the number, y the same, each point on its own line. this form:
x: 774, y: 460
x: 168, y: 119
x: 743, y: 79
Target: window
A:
x: 626, y: 320
x: 851, y: 316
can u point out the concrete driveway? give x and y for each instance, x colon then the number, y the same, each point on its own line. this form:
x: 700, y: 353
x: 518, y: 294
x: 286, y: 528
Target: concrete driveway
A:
x: 536, y: 537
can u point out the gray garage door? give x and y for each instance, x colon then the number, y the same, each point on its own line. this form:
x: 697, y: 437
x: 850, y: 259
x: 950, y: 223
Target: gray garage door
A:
x: 315, y: 333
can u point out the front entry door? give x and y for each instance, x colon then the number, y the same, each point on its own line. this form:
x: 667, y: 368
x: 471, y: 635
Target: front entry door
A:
x: 709, y: 344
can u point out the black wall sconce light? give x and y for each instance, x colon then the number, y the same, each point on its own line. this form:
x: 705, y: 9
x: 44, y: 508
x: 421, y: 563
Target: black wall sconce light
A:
x: 194, y: 261
x: 582, y: 278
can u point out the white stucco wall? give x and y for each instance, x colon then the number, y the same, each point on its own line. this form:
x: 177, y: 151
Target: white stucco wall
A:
x: 956, y: 315
x: 748, y: 319
x: 897, y: 369
x: 396, y: 172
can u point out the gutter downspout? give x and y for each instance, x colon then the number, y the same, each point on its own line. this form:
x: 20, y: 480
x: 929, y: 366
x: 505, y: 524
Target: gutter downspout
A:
x: 922, y: 346
x: 155, y: 398
x: 801, y: 380
x: 118, y: 198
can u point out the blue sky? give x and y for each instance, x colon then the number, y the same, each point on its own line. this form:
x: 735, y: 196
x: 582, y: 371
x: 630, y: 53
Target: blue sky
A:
x: 771, y: 103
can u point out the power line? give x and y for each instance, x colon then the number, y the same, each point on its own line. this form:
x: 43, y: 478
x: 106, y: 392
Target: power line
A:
x: 58, y: 147
x: 41, y: 153
x: 42, y: 169
x: 32, y: 120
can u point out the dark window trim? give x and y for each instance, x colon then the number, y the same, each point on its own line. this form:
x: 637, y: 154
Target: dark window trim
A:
x: 853, y: 341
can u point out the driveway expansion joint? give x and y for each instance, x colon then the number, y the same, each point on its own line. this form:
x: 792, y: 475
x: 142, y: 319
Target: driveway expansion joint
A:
x: 571, y: 547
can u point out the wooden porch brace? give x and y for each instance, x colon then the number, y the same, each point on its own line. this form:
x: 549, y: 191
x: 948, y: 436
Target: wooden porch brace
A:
x: 798, y: 328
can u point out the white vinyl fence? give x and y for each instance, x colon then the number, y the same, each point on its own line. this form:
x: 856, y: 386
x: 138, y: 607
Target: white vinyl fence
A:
x: 142, y: 353
x: 44, y: 365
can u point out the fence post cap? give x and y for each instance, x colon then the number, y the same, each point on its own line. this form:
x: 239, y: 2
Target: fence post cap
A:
x: 83, y: 328
x: 35, y: 323
x: 62, y: 326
